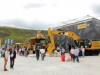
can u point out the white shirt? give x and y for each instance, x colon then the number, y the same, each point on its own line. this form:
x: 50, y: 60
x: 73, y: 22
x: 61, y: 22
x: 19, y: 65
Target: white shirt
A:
x: 23, y: 49
x: 58, y: 48
x: 76, y: 52
x: 6, y: 54
x: 63, y: 50
x: 20, y: 49
x: 42, y: 50
x: 72, y: 51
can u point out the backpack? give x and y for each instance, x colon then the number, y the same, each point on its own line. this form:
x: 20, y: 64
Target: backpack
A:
x: 3, y: 54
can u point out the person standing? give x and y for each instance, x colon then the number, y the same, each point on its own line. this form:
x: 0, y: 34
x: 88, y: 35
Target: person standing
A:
x: 12, y: 57
x: 83, y: 50
x: 42, y: 51
x: 25, y: 51
x: 6, y: 58
x: 20, y: 52
x: 80, y: 52
x: 62, y: 51
x: 58, y: 51
x: 76, y: 52
x: 72, y: 54
x: 37, y: 53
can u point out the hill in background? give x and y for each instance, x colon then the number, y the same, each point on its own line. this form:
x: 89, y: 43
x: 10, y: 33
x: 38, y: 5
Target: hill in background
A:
x: 19, y: 35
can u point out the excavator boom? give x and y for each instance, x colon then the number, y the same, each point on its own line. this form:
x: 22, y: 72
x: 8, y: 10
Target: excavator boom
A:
x: 51, y: 44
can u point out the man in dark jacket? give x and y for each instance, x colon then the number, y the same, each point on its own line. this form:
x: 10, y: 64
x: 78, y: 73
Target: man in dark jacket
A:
x: 12, y: 57
x: 37, y: 53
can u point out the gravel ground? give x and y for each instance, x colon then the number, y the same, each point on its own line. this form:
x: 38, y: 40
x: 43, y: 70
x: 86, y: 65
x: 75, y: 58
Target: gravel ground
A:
x: 90, y: 65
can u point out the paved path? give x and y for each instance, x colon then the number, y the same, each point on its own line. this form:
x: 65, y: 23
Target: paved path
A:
x: 52, y: 66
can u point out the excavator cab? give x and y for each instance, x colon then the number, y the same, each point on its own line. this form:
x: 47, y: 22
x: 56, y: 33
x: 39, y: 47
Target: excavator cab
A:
x: 85, y: 43
x: 92, y: 47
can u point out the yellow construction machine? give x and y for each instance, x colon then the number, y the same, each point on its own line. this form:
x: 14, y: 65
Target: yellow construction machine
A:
x: 38, y: 41
x: 91, y: 47
x: 51, y: 44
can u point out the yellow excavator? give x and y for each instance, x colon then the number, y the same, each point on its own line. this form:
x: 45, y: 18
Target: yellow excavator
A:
x: 39, y: 41
x: 91, y: 47
x: 51, y: 44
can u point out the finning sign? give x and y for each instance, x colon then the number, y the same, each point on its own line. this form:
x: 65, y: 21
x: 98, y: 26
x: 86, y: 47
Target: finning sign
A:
x: 81, y: 26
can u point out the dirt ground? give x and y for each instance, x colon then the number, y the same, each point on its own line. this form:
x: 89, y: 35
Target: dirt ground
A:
x: 89, y: 65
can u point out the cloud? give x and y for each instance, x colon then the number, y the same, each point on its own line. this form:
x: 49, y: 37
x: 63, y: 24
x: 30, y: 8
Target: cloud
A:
x: 23, y: 24
x: 43, y: 13
x: 54, y: 5
x: 96, y: 9
x: 34, y: 5
x: 39, y: 5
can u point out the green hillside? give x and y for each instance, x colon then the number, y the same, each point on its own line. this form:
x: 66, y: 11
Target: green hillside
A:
x: 18, y: 34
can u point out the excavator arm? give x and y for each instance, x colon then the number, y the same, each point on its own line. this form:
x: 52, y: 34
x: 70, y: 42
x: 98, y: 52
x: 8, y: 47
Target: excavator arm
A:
x: 51, y: 44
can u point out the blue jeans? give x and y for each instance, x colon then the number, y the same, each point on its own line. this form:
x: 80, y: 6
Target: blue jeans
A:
x: 77, y: 59
x: 42, y: 56
x: 83, y: 54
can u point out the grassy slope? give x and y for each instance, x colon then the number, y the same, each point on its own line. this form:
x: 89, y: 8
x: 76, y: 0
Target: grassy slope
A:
x: 18, y: 34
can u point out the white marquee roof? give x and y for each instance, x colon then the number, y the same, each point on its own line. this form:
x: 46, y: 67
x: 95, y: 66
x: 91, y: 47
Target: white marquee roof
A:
x: 75, y: 21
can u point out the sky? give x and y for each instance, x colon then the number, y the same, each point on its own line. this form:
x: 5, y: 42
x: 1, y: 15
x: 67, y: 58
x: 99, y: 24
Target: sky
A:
x: 44, y: 14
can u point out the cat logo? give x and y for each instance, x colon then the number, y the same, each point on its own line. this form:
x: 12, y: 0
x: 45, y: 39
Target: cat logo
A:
x: 82, y: 26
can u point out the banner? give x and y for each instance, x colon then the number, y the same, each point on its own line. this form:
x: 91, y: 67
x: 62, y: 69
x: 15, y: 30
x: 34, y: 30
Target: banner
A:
x: 5, y: 41
x: 81, y: 26
x: 8, y: 41
x: 11, y: 41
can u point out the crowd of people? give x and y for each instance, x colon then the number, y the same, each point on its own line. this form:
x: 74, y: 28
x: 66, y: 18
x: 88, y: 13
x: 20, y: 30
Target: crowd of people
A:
x: 23, y: 51
x: 6, y: 52
x: 12, y: 51
x: 40, y: 51
x: 74, y: 53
